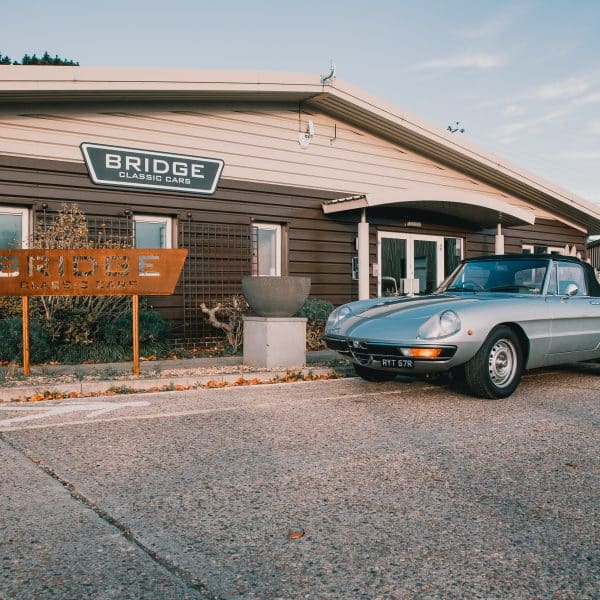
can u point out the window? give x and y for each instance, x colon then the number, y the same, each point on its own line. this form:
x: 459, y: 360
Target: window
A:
x: 266, y: 254
x: 531, y: 249
x: 152, y: 232
x: 571, y: 273
x: 14, y: 227
x: 453, y: 250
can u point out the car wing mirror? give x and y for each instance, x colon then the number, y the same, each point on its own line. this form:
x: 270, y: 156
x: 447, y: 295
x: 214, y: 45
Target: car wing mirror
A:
x: 571, y: 290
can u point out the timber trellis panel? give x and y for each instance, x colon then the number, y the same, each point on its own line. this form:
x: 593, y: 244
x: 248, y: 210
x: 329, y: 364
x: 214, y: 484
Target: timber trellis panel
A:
x: 219, y: 255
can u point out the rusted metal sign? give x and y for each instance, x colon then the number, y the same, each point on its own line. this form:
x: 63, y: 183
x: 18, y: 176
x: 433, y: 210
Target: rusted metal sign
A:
x: 90, y: 272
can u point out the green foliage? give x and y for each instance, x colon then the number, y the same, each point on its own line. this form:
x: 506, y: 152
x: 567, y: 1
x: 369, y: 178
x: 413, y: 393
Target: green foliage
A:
x: 112, y: 340
x: 97, y: 352
x: 78, y: 329
x: 152, y: 328
x: 72, y: 319
x: 315, y: 310
x: 10, y: 332
x: 45, y: 60
x: 11, y: 344
x: 10, y: 306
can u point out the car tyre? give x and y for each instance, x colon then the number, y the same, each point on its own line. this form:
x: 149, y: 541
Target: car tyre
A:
x: 495, y: 371
x: 373, y: 375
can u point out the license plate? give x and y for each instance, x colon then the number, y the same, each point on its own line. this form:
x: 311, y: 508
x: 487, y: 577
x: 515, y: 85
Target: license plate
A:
x: 398, y: 363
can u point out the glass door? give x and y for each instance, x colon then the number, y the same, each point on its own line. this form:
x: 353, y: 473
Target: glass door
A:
x: 409, y: 264
x: 392, y: 265
x: 426, y: 260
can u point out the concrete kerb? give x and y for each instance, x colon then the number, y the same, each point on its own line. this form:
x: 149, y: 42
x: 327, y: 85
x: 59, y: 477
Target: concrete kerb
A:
x: 158, y: 375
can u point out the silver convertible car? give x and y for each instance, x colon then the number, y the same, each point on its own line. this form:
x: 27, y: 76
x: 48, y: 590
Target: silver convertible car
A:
x: 492, y: 318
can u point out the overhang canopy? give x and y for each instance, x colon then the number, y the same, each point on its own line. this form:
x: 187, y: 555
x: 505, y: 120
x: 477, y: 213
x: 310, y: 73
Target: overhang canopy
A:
x: 481, y: 210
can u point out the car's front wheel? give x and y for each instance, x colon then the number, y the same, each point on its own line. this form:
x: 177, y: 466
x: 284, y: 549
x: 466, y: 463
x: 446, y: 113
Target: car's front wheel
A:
x: 373, y: 375
x: 495, y: 371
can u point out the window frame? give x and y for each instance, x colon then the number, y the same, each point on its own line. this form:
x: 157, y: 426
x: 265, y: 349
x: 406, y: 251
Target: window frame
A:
x: 277, y: 227
x: 25, y: 218
x: 168, y: 221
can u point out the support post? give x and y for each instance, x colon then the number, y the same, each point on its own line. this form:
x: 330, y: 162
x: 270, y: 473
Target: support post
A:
x: 26, y: 352
x: 363, y: 257
x: 499, y: 245
x: 135, y: 323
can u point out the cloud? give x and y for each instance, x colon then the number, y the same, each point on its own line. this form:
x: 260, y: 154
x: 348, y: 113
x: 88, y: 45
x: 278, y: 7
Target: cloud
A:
x: 557, y: 90
x: 579, y: 155
x: 513, y: 110
x: 463, y: 61
x: 591, y: 98
x: 510, y: 129
x: 497, y: 24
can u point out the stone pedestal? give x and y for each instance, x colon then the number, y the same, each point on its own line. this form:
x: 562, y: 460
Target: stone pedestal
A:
x: 272, y: 342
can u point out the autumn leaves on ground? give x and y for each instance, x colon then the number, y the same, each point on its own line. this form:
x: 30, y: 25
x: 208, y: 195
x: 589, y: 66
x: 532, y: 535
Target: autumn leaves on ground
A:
x: 287, y: 377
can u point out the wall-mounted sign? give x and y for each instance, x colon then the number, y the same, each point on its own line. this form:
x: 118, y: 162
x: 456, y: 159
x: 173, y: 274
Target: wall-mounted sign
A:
x: 90, y: 272
x: 112, y: 165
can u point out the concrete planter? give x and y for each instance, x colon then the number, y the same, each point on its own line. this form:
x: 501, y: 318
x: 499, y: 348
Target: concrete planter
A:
x: 275, y: 296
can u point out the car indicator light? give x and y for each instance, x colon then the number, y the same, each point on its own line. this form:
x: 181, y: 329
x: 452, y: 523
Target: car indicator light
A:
x: 424, y: 352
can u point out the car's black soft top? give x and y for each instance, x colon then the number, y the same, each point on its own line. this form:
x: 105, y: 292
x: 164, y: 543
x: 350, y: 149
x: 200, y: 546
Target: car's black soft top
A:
x: 590, y: 274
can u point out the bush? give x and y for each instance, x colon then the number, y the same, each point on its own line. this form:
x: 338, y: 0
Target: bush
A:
x: 231, y: 311
x: 113, y: 340
x: 10, y: 337
x: 152, y: 328
x: 11, y: 341
x: 316, y: 311
x: 10, y: 306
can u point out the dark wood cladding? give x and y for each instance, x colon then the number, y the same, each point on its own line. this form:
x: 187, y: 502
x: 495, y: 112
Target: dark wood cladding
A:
x: 318, y: 246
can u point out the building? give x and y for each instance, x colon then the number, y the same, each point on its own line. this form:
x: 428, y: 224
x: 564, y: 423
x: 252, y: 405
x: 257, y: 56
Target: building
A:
x: 320, y: 179
x: 593, y: 254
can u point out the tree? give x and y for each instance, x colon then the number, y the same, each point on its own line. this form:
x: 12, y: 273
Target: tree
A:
x: 46, y: 59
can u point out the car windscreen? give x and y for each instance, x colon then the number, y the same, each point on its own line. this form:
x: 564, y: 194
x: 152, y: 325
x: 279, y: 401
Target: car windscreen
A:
x: 524, y: 276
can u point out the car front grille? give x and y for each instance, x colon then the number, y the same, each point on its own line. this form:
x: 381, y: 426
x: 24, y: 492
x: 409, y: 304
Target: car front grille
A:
x: 365, y: 352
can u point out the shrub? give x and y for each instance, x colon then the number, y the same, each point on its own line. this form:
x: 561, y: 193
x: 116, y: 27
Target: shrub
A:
x: 113, y: 340
x: 10, y: 306
x: 11, y: 341
x: 152, y: 328
x: 10, y: 335
x: 316, y: 311
x: 231, y: 311
x: 73, y: 319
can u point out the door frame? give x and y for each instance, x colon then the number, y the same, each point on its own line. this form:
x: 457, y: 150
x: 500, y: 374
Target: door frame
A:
x: 410, y: 253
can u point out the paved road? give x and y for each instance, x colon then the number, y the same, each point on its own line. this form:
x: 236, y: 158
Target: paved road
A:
x: 402, y: 490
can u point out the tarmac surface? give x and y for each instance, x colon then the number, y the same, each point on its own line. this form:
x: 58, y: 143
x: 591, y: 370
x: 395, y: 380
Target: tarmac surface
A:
x: 325, y: 489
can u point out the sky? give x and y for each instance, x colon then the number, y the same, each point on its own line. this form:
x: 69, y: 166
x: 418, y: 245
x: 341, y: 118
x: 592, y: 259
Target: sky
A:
x: 521, y: 77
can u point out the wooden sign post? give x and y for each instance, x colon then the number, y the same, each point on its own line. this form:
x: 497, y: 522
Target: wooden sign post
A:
x: 131, y: 272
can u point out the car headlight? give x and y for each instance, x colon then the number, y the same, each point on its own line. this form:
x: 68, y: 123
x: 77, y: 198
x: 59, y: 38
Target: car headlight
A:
x: 440, y: 325
x: 336, y: 317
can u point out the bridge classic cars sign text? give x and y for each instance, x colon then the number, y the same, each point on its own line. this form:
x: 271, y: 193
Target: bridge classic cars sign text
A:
x: 112, y: 165
x: 90, y: 272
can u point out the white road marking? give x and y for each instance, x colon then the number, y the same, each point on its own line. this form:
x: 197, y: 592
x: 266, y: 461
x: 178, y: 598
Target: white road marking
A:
x: 42, y: 412
x: 192, y: 412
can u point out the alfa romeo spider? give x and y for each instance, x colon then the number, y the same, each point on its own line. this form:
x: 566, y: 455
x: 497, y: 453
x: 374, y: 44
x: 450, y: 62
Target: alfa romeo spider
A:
x: 491, y: 319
